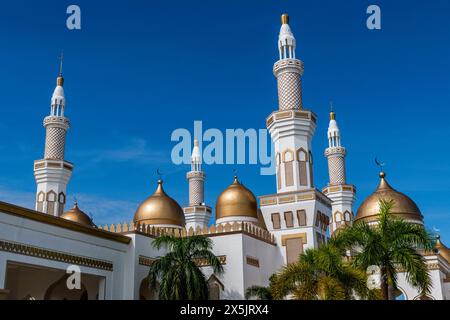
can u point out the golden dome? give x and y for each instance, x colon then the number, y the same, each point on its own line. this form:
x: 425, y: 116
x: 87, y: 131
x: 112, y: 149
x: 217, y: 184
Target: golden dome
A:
x: 236, y: 200
x: 442, y: 249
x: 159, y: 209
x: 404, y: 207
x: 76, y: 215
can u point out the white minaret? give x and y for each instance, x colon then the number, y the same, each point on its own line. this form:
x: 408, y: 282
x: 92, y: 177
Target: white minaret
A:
x: 53, y: 173
x: 291, y: 127
x: 341, y: 194
x: 298, y: 214
x: 197, y: 214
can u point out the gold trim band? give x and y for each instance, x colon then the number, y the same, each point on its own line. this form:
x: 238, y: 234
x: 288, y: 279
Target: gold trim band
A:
x: 42, y: 253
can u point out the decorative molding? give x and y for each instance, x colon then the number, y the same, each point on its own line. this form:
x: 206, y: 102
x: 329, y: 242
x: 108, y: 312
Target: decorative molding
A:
x: 252, y: 261
x: 222, y: 229
x: 11, y: 209
x: 204, y: 263
x: 295, y: 196
x: 145, y: 261
x: 43, y: 253
x: 301, y: 235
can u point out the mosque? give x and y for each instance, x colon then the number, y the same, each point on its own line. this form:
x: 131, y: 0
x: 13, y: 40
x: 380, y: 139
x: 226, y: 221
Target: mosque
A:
x: 252, y: 237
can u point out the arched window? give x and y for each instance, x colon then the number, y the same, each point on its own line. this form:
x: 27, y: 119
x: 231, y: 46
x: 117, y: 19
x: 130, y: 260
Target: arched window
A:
x: 302, y: 157
x: 51, y: 198
x: 147, y: 293
x: 215, y: 286
x: 288, y: 158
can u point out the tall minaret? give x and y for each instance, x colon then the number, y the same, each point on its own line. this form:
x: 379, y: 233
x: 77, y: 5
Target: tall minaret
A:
x: 341, y: 194
x: 197, y: 214
x: 291, y: 127
x: 298, y: 214
x: 53, y: 173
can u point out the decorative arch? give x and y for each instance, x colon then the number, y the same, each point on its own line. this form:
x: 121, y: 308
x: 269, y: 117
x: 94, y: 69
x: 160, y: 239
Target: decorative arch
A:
x: 338, y: 216
x: 59, y: 291
x: 288, y: 159
x: 51, y: 196
x: 215, y: 286
x: 145, y: 292
x: 423, y: 297
x: 302, y: 157
x: 400, y: 294
x: 40, y: 196
x: 347, y: 216
x: 62, y: 198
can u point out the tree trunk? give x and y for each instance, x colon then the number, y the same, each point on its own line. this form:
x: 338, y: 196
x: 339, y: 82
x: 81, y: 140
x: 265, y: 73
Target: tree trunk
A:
x: 384, y: 284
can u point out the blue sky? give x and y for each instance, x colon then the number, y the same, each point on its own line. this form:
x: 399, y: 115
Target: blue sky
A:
x: 137, y: 70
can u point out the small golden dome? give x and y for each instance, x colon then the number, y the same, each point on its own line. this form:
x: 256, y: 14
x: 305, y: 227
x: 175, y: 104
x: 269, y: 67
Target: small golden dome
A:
x: 404, y: 207
x: 442, y: 249
x: 76, y: 215
x: 236, y: 200
x: 159, y: 209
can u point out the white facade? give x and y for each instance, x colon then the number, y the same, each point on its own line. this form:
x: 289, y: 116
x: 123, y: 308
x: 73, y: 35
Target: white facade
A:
x: 38, y: 246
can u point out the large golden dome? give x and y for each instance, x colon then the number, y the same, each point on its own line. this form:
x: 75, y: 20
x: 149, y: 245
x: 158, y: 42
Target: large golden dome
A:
x: 76, y: 215
x: 404, y: 207
x: 236, y: 200
x: 442, y: 249
x: 159, y: 209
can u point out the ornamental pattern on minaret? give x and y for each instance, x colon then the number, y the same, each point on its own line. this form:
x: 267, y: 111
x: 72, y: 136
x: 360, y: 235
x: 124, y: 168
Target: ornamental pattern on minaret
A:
x: 291, y: 126
x: 197, y: 213
x: 53, y: 172
x: 196, y: 178
x: 335, y: 153
x: 56, y: 124
x: 341, y: 194
x: 288, y: 69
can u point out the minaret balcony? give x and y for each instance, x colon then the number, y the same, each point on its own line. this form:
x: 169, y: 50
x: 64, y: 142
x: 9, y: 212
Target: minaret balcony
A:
x: 195, y: 209
x: 288, y: 65
x: 339, y: 188
x: 57, y: 121
x: 52, y: 164
x: 335, y: 150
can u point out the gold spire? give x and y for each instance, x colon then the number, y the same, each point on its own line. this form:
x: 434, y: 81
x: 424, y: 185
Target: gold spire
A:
x: 332, y: 116
x: 284, y: 18
x: 195, y: 143
x: 60, y: 79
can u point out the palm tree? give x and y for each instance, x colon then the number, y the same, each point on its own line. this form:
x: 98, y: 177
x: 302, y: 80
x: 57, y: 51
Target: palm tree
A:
x: 321, y: 274
x: 178, y: 271
x: 261, y: 293
x: 390, y: 244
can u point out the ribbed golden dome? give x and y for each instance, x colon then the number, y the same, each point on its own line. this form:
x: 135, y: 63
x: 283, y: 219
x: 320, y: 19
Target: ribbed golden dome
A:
x: 442, y: 249
x: 236, y: 200
x: 76, y: 215
x: 160, y: 209
x: 404, y: 207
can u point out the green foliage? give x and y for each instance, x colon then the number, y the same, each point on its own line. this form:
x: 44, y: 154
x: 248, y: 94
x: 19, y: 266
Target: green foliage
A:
x: 179, y: 275
x: 391, y: 243
x: 321, y: 274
